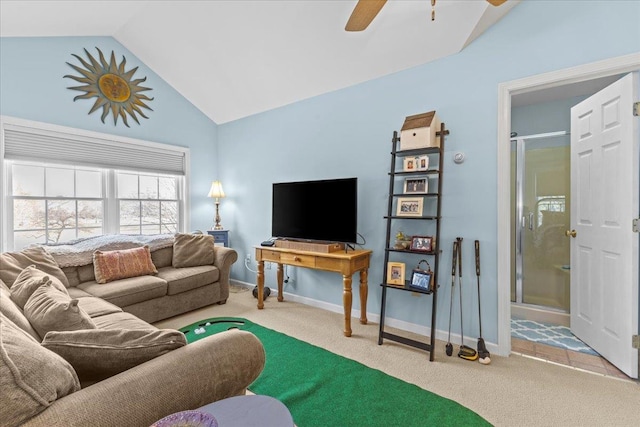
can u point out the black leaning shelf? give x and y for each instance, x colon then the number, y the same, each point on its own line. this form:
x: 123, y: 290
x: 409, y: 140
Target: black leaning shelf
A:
x: 395, y: 253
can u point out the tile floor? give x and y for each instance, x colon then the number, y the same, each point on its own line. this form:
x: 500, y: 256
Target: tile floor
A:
x: 574, y: 359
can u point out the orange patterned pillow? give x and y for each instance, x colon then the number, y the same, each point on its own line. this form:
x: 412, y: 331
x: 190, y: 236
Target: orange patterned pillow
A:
x: 114, y: 265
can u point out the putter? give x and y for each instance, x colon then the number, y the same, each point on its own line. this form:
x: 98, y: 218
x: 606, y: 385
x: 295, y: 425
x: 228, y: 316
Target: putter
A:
x: 484, y: 356
x: 465, y: 352
x: 449, y: 346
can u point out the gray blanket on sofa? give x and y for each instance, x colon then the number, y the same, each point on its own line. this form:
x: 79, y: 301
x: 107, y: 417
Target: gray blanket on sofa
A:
x: 80, y: 252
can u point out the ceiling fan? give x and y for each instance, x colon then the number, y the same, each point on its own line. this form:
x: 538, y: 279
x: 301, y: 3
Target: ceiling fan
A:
x: 366, y: 10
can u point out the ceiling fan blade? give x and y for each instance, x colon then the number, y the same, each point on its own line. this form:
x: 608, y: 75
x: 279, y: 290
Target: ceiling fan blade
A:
x: 496, y: 2
x: 363, y: 14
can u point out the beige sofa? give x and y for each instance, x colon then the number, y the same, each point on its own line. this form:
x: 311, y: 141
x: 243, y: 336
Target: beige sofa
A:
x: 60, y: 379
x: 170, y: 292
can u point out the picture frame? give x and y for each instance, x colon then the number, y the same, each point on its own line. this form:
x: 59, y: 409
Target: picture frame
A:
x: 421, y: 243
x: 416, y: 185
x: 409, y: 164
x: 422, y: 280
x: 415, y: 163
x: 422, y: 163
x: 395, y: 273
x: 409, y: 206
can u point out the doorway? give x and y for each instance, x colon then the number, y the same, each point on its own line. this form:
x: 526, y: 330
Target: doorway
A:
x: 549, y: 83
x: 540, y: 166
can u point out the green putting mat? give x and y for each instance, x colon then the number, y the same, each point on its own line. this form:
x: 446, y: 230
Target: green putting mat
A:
x: 321, y: 388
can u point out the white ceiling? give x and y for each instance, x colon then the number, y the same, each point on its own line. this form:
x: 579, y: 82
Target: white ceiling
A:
x: 235, y: 58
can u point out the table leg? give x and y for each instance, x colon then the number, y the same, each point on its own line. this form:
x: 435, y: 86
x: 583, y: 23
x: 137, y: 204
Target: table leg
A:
x: 260, y: 284
x: 346, y: 301
x: 280, y: 276
x: 364, y: 291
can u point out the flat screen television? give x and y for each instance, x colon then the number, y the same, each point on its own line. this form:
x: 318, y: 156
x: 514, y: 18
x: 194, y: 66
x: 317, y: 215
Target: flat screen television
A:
x: 324, y: 210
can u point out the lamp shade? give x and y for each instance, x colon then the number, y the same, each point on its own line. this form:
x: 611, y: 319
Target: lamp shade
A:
x: 216, y: 190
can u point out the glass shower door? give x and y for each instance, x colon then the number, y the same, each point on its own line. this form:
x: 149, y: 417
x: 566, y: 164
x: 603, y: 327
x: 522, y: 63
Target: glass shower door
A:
x: 542, y: 186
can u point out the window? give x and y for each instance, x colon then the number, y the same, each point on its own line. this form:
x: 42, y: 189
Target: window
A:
x: 62, y: 184
x: 147, y: 204
x: 57, y: 203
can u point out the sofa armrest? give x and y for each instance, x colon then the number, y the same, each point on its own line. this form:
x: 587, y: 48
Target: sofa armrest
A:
x: 224, y: 259
x: 213, y: 368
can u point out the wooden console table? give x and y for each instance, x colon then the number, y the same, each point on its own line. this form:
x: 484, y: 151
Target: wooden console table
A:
x: 346, y: 263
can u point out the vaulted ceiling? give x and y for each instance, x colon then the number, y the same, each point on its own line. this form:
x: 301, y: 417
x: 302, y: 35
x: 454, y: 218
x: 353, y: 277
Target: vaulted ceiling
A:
x: 235, y: 58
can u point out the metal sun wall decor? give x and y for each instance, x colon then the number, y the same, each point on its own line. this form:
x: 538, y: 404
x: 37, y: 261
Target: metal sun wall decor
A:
x: 113, y: 87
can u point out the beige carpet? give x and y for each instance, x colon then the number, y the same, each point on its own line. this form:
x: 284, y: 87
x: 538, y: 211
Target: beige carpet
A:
x: 511, y: 391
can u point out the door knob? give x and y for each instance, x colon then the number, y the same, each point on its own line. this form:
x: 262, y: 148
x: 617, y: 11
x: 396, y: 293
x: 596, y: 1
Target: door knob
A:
x: 571, y: 233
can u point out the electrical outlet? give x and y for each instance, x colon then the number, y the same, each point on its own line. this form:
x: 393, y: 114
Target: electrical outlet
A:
x: 267, y: 265
x: 248, y: 257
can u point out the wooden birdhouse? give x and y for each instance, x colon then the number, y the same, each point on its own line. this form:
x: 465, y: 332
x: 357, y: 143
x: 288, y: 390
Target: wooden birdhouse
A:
x: 419, y: 131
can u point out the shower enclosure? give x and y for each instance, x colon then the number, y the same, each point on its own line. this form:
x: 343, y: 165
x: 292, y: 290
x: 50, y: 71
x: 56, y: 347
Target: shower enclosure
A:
x: 540, y: 197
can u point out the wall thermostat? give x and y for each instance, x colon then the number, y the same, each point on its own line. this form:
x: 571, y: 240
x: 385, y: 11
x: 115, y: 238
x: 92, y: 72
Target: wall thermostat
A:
x: 458, y: 157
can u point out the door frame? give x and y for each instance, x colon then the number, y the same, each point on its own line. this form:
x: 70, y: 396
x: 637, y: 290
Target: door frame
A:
x: 594, y: 70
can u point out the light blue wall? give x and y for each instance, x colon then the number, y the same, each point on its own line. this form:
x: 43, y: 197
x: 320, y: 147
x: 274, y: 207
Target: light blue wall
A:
x: 32, y: 87
x: 348, y: 133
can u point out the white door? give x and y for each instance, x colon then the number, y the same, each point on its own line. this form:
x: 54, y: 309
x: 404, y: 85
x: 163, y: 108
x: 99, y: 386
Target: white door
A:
x: 604, y: 202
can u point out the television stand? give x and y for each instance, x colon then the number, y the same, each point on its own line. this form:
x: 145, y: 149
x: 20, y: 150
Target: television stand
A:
x: 346, y: 263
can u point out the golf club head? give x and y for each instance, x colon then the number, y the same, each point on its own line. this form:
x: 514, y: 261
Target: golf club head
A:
x: 467, y: 353
x: 449, y: 349
x: 484, y: 360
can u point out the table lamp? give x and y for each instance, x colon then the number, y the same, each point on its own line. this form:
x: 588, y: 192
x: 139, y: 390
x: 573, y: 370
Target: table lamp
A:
x: 217, y: 192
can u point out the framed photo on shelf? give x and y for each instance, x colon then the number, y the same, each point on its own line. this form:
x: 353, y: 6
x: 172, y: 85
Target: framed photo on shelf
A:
x: 422, y: 243
x: 409, y: 206
x: 409, y: 164
x: 422, y: 163
x: 421, y: 279
x: 416, y: 185
x: 395, y: 273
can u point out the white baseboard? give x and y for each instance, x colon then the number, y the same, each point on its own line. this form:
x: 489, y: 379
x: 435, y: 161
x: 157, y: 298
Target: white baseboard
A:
x: 374, y: 317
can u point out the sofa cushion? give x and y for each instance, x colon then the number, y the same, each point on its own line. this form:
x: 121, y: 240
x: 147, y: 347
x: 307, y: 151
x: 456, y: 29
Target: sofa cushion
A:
x: 14, y: 262
x: 129, y: 291
x: 49, y: 309
x: 121, y: 320
x: 31, y: 377
x: 95, y: 307
x: 190, y: 250
x: 77, y: 293
x: 185, y: 279
x: 162, y: 257
x: 121, y: 264
x: 86, y: 273
x: 100, y: 353
x: 30, y: 279
x: 11, y: 310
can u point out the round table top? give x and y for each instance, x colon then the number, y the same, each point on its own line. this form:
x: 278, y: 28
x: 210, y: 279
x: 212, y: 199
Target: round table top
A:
x: 250, y: 411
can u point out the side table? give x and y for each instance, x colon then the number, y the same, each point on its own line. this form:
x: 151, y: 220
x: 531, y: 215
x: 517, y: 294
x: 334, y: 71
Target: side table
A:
x: 220, y: 237
x: 249, y: 411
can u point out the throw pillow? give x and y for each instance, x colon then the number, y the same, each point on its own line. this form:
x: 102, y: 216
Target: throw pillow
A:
x: 31, y: 377
x: 120, y: 264
x: 100, y: 353
x: 191, y: 250
x: 11, y: 310
x: 14, y: 262
x: 30, y: 279
x: 48, y: 309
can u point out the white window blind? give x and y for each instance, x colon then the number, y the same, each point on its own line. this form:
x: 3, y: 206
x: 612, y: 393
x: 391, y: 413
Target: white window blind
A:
x: 91, y: 149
